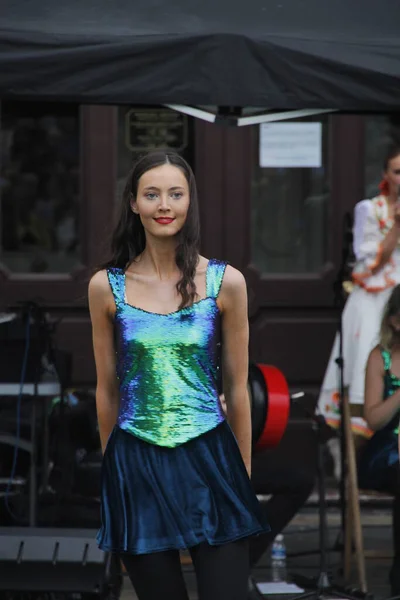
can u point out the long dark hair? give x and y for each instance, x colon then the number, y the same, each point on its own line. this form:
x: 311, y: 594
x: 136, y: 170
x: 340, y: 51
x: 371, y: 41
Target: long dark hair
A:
x: 392, y: 309
x: 128, y: 240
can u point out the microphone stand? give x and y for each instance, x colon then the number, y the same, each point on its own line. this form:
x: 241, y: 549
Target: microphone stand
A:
x: 339, y: 302
x: 322, y: 585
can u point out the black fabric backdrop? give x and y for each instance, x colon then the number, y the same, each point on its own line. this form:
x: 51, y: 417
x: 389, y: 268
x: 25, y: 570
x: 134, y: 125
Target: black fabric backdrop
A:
x: 341, y: 54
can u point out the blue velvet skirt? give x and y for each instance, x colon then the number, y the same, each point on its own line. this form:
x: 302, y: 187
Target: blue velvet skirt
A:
x: 156, y: 498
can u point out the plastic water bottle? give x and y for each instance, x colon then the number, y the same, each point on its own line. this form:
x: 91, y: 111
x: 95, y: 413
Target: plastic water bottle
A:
x: 278, y: 559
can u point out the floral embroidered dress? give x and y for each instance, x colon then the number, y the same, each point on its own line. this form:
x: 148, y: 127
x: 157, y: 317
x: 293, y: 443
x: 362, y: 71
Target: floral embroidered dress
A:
x: 361, y: 318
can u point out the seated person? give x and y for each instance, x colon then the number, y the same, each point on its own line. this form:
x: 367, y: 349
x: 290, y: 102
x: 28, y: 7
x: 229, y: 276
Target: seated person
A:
x: 379, y: 459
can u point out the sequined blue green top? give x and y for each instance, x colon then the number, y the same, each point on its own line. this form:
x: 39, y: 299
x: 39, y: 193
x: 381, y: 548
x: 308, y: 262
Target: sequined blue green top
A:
x: 167, y: 365
x: 391, y: 385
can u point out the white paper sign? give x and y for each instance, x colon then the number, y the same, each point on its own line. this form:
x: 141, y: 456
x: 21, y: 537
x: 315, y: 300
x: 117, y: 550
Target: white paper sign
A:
x: 291, y: 145
x: 281, y: 587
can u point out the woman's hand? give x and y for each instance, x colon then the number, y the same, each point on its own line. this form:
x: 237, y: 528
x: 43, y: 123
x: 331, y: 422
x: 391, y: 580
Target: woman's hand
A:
x: 224, y: 408
x: 396, y: 215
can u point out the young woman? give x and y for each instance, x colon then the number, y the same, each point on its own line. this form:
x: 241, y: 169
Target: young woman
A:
x: 379, y: 461
x: 377, y: 270
x: 175, y: 474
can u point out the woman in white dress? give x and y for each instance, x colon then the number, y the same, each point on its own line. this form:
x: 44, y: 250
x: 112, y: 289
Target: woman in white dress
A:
x: 376, y: 241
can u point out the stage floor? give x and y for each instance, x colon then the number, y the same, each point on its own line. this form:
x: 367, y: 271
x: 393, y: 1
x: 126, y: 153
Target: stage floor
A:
x: 302, y: 535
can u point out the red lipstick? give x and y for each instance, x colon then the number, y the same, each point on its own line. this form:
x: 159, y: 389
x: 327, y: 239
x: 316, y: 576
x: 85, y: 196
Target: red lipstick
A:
x: 164, y: 220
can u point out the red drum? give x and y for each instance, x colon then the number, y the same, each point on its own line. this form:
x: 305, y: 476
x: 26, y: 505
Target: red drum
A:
x: 270, y: 405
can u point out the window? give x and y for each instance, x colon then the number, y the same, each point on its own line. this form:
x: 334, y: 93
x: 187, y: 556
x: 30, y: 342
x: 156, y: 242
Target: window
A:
x: 40, y: 191
x: 289, y: 213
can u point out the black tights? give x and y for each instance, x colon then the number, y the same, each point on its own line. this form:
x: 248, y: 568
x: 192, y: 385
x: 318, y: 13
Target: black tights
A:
x: 221, y: 573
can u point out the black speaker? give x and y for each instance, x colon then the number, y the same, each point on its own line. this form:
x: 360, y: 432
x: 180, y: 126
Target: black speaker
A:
x: 67, y: 561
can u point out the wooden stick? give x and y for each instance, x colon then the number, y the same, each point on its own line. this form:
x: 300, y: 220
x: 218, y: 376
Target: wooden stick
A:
x: 348, y: 538
x: 353, y: 496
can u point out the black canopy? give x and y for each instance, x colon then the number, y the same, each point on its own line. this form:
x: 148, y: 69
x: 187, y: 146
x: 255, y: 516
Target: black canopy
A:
x: 280, y: 54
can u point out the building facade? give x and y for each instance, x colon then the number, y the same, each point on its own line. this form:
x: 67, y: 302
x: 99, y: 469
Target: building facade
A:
x: 63, y: 168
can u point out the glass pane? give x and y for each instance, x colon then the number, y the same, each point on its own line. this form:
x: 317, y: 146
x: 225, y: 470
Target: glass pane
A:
x: 381, y: 131
x: 39, y: 209
x: 143, y: 129
x: 289, y: 213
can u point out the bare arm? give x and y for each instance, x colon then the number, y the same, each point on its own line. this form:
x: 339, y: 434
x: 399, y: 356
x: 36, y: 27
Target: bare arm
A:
x: 377, y: 411
x: 235, y: 333
x: 107, y: 394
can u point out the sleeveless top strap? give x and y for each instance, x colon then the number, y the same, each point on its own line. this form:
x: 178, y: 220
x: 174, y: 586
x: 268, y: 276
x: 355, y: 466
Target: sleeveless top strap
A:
x: 214, y: 276
x: 387, y: 359
x: 116, y: 278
